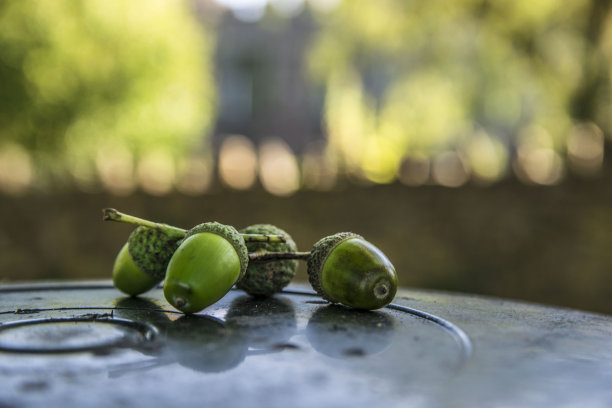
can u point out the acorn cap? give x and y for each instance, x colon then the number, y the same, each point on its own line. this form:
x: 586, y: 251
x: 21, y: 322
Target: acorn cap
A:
x: 317, y: 258
x: 151, y: 250
x: 267, y: 278
x: 230, y: 234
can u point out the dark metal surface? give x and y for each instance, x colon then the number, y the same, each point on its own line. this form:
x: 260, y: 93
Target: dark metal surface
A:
x: 87, y: 345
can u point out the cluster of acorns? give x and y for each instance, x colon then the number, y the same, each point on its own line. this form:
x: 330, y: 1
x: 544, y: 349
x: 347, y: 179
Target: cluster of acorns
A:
x: 199, y: 266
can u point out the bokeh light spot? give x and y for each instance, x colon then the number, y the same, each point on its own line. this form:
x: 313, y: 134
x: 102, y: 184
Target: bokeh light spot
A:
x: 585, y: 149
x: 16, y: 171
x: 115, y: 165
x: 194, y: 175
x: 450, y: 170
x: 156, y: 172
x: 319, y: 169
x: 488, y: 157
x: 537, y: 160
x: 237, y: 162
x: 278, y: 169
x: 414, y: 170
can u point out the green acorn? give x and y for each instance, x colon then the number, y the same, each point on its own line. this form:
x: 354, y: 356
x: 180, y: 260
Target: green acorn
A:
x: 142, y: 262
x: 152, y: 244
x: 267, y: 278
x: 128, y: 277
x: 147, y: 251
x: 152, y: 248
x: 345, y: 268
x: 208, y: 262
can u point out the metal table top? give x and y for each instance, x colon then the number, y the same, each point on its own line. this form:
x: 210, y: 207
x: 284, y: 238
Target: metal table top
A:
x: 85, y: 344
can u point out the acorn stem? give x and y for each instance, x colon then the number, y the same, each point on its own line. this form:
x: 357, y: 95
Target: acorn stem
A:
x: 263, y: 238
x: 110, y: 214
x: 276, y: 256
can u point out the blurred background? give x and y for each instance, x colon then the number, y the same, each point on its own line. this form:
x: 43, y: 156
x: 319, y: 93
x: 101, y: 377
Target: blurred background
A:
x: 467, y: 139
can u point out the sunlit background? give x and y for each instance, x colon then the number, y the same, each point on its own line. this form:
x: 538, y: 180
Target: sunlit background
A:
x: 464, y: 138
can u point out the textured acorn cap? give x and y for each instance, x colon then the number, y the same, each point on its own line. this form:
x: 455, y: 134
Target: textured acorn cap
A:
x: 151, y: 250
x: 267, y: 278
x: 317, y: 258
x: 230, y: 234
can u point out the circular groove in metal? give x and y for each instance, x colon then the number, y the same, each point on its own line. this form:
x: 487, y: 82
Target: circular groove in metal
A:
x: 145, y: 334
x: 455, y: 331
x: 67, y: 308
x: 460, y: 336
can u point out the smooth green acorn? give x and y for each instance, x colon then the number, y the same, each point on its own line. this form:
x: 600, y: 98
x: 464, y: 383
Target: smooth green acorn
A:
x: 345, y: 268
x: 267, y: 278
x: 128, y: 277
x: 208, y: 262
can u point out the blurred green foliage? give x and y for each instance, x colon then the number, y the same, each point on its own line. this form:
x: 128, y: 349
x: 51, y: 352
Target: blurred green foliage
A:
x: 80, y: 79
x: 116, y: 93
x: 415, y: 78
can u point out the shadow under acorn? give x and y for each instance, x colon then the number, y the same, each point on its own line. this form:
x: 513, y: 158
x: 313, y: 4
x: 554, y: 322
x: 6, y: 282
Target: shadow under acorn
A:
x: 251, y: 326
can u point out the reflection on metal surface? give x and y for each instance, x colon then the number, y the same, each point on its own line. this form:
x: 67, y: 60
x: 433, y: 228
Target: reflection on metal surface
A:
x: 246, y: 326
x: 266, y: 323
x: 199, y: 342
x: 252, y: 326
x: 341, y: 332
x: 296, y: 350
